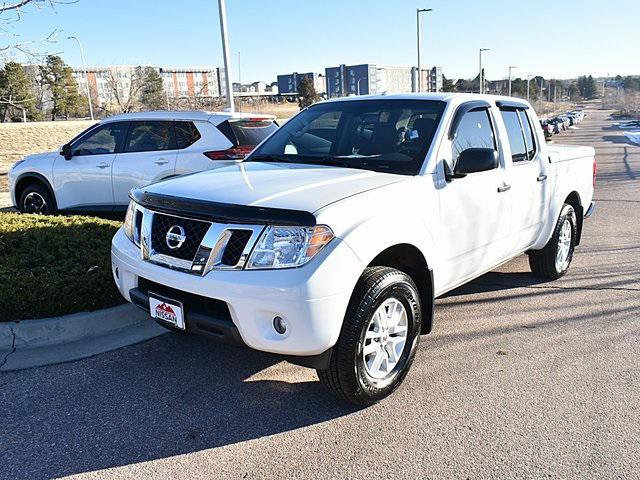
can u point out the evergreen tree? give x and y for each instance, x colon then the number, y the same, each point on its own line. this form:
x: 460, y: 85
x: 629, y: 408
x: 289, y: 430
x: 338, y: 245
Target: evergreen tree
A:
x: 152, y: 96
x: 587, y: 87
x: 447, y: 85
x: 307, y: 94
x: 573, y: 92
x: 15, y: 93
x: 58, y: 76
x: 591, y: 90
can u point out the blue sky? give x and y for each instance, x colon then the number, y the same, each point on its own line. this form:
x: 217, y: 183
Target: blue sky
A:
x: 280, y: 36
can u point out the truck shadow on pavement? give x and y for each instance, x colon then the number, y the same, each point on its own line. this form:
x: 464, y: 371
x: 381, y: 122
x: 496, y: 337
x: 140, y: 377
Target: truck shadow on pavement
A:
x: 172, y: 395
x: 494, y: 281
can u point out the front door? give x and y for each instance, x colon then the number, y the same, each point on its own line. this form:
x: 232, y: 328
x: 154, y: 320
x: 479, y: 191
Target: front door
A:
x: 84, y: 181
x: 474, y: 210
x: 149, y: 155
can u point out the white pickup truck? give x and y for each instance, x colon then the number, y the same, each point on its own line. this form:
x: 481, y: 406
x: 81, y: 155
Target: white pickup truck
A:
x: 330, y: 242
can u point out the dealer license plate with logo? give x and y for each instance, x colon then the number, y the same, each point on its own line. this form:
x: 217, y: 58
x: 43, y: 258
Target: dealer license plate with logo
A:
x: 166, y: 310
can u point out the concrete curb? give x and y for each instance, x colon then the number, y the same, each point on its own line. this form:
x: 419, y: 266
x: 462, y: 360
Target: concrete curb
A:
x: 34, y: 343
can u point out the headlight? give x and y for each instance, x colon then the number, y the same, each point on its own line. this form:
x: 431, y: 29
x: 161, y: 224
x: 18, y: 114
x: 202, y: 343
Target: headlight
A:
x: 285, y: 247
x: 128, y: 220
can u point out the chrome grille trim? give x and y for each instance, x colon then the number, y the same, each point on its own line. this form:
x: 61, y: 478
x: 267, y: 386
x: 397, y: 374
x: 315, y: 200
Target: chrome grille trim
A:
x: 215, y: 239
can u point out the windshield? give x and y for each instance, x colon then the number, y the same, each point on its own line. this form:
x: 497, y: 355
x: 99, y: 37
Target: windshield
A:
x: 382, y: 135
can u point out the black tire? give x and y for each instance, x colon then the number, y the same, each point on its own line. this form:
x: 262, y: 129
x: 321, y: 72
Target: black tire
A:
x: 347, y: 377
x: 543, y: 262
x: 31, y: 197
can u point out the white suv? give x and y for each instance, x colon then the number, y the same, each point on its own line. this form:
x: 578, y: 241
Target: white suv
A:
x: 96, y: 170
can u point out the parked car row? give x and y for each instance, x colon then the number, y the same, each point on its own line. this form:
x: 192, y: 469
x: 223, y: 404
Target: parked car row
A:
x: 97, y: 169
x: 555, y: 125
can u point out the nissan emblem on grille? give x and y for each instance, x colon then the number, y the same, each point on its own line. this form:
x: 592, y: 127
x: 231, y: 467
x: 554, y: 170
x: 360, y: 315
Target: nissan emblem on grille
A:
x: 175, y: 237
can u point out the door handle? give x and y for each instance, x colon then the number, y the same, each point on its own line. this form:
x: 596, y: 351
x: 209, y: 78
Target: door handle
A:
x: 542, y: 177
x: 103, y: 165
x: 161, y: 161
x: 504, y: 188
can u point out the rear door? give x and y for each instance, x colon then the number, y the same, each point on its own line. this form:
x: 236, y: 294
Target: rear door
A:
x: 84, y: 181
x: 527, y: 177
x: 149, y: 155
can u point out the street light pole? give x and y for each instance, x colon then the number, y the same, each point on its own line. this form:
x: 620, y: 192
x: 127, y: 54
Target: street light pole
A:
x: 419, y: 38
x: 84, y: 71
x: 225, y: 53
x: 528, y: 81
x: 511, y: 67
x: 480, y: 89
x: 358, y: 85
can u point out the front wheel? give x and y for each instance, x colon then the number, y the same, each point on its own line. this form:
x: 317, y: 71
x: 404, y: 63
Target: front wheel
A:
x: 553, y: 260
x: 378, y: 340
x: 37, y: 199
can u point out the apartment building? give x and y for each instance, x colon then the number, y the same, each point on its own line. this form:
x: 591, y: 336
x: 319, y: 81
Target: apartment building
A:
x: 113, y: 83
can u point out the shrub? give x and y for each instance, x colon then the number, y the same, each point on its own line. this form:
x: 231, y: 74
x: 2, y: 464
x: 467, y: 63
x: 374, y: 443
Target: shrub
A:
x: 53, y: 266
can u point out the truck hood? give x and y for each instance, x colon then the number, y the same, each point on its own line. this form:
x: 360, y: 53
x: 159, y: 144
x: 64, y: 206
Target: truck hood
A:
x: 275, y: 185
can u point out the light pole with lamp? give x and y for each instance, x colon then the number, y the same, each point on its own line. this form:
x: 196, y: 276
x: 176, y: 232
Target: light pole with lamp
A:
x: 419, y: 38
x: 225, y: 53
x: 84, y: 71
x: 511, y: 67
x: 480, y: 89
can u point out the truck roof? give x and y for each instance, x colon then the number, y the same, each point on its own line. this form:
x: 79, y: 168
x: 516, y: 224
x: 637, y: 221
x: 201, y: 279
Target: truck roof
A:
x: 448, y: 97
x: 213, y: 117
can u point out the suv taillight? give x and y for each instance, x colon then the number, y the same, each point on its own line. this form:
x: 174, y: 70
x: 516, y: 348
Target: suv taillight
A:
x: 233, y: 153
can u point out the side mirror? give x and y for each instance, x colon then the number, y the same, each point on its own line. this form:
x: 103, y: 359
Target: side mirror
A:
x: 474, y: 160
x: 65, y: 151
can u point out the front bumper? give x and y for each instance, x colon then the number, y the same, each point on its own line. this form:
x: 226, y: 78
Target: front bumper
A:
x: 312, y: 299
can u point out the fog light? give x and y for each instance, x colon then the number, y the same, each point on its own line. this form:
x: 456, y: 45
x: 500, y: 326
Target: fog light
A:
x: 117, y: 274
x: 280, y: 325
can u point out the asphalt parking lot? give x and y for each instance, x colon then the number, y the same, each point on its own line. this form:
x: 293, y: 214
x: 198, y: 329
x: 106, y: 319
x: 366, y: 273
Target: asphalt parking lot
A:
x: 521, y: 378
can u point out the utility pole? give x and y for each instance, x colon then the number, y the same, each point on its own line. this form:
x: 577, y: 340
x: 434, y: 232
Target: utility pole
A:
x: 225, y: 52
x: 419, y: 39
x: 480, y: 87
x: 511, y: 67
x: 84, y: 71
x: 528, y: 89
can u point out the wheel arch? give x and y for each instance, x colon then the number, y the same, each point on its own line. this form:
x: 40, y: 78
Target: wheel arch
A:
x: 574, y: 200
x: 31, y: 178
x: 409, y: 259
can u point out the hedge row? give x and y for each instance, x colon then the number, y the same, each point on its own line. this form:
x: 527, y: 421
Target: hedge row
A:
x: 53, y: 266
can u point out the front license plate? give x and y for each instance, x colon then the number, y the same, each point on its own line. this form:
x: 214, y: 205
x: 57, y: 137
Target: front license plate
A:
x: 167, y: 310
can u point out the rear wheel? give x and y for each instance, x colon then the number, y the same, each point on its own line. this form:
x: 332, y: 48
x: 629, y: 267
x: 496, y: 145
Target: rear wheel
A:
x: 379, y: 337
x: 554, y: 259
x: 36, y: 199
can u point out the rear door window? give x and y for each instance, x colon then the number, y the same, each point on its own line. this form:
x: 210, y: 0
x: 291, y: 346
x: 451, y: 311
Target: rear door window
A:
x: 150, y: 136
x: 528, y: 133
x: 515, y: 135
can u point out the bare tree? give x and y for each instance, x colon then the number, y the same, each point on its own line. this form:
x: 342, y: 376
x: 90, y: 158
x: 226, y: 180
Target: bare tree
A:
x: 14, y: 46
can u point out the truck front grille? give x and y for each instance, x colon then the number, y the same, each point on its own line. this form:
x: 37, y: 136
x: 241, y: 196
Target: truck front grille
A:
x: 194, y: 232
x: 191, y: 245
x: 235, y: 246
